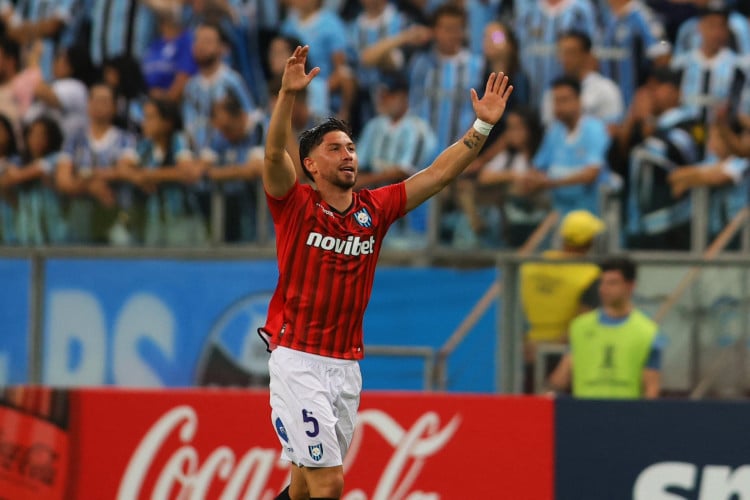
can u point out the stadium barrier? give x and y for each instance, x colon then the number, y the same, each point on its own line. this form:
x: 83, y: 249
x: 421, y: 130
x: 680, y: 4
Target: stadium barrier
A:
x: 220, y: 444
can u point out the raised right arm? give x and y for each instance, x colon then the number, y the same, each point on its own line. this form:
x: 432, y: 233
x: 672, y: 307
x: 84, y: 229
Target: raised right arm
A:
x: 279, y: 174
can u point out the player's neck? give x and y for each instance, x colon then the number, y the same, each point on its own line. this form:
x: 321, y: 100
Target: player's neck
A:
x: 618, y: 310
x: 337, y: 198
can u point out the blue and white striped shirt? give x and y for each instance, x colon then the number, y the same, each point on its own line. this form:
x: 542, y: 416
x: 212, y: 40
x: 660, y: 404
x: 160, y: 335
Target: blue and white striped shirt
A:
x: 409, y: 143
x: 439, y: 92
x: 199, y: 97
x: 628, y: 43
x: 689, y: 36
x: 38, y: 10
x: 707, y: 83
x: 538, y: 30
x: 727, y: 201
x: 324, y: 32
x: 120, y: 27
x: 365, y: 31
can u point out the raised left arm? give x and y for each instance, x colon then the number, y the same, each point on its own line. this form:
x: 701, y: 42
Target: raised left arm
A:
x: 451, y: 162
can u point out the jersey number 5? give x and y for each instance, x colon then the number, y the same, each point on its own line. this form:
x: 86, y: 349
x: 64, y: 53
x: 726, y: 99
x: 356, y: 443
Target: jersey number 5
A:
x: 308, y: 418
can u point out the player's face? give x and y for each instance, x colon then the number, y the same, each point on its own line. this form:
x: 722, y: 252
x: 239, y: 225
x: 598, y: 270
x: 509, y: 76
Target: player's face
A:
x: 614, y: 289
x: 335, y: 160
x: 449, y: 34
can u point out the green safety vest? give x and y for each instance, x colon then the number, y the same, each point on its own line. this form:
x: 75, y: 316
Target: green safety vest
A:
x: 608, y: 360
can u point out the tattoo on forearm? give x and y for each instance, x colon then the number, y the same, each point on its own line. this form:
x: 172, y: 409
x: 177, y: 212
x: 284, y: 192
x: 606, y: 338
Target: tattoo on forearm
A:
x: 472, y: 139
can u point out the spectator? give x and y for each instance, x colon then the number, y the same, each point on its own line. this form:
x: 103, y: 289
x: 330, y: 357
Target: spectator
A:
x: 66, y: 97
x: 123, y: 74
x: 88, y: 173
x: 552, y: 294
x: 633, y: 41
x: 478, y: 14
x: 39, y: 217
x: 600, y: 96
x: 615, y: 350
x: 538, y: 30
x: 213, y: 81
x: 726, y: 174
x: 689, y: 36
x: 656, y: 219
x: 167, y: 169
x: 441, y: 77
x: 378, y: 21
x: 235, y: 163
x: 324, y: 31
x: 709, y: 72
x: 280, y: 50
x: 45, y: 21
x: 168, y: 60
x: 572, y: 157
x: 11, y: 105
x: 8, y: 199
x: 495, y: 194
x: 393, y: 146
x: 122, y: 28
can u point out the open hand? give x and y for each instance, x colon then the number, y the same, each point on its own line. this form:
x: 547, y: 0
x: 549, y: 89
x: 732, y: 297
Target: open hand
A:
x: 491, y: 106
x: 294, y: 77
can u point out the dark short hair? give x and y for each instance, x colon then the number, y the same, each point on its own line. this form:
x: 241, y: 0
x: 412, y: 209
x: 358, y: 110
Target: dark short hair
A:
x: 567, y: 81
x: 449, y: 9
x: 11, y: 50
x: 168, y: 110
x: 230, y: 103
x: 313, y: 137
x: 624, y: 265
x: 579, y: 35
x: 217, y: 27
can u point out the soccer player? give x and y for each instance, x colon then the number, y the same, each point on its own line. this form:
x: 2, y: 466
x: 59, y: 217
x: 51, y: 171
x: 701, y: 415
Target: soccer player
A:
x: 328, y: 242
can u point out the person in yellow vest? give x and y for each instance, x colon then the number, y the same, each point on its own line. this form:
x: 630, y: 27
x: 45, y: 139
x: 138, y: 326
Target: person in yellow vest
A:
x: 552, y: 294
x: 615, y: 350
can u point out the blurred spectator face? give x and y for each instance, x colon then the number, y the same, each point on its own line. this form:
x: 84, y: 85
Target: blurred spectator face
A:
x: 101, y: 103
x: 305, y: 5
x: 572, y: 56
x: 207, y: 47
x: 394, y: 104
x: 449, y: 34
x: 300, y: 114
x: 111, y: 76
x: 516, y: 133
x: 566, y: 104
x: 665, y: 96
x: 373, y: 5
x: 61, y: 67
x: 278, y: 53
x: 154, y: 125
x: 231, y: 126
x: 36, y: 140
x: 495, y: 44
x: 614, y: 289
x: 715, y: 32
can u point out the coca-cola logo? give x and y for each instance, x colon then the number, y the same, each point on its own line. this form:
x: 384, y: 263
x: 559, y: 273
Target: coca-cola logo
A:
x: 248, y: 476
x: 37, y: 461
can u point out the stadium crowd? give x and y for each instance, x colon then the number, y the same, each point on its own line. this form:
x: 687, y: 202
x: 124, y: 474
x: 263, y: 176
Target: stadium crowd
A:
x: 119, y: 119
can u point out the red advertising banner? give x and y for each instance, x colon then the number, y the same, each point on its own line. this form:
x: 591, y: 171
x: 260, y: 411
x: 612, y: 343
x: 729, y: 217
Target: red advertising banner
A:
x: 33, y: 457
x: 220, y: 444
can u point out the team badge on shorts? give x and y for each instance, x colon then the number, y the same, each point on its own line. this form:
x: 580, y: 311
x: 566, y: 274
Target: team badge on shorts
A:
x: 316, y: 451
x: 363, y: 218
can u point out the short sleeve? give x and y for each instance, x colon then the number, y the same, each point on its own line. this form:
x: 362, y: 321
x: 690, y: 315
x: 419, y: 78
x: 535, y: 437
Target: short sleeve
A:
x: 391, y: 200
x: 289, y: 203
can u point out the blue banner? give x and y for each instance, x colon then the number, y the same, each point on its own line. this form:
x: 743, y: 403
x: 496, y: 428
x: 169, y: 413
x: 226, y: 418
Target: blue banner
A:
x: 424, y: 307
x: 155, y: 323
x: 14, y: 321
x: 656, y: 450
x: 171, y: 323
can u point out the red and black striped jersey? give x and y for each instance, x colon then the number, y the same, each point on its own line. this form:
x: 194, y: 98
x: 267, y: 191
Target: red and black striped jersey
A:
x: 327, y: 265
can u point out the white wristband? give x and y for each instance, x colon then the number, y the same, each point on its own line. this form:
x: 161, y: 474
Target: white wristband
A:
x: 482, y: 127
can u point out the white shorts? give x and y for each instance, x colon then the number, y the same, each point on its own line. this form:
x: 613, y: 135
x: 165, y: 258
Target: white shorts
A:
x: 314, y: 403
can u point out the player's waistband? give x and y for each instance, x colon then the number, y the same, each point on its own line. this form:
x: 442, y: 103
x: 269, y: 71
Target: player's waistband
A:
x: 316, y: 357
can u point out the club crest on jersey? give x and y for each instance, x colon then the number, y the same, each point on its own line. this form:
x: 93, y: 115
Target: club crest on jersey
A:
x: 316, y: 451
x: 363, y: 218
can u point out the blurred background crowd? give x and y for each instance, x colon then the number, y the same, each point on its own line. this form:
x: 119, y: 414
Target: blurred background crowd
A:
x: 136, y: 122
